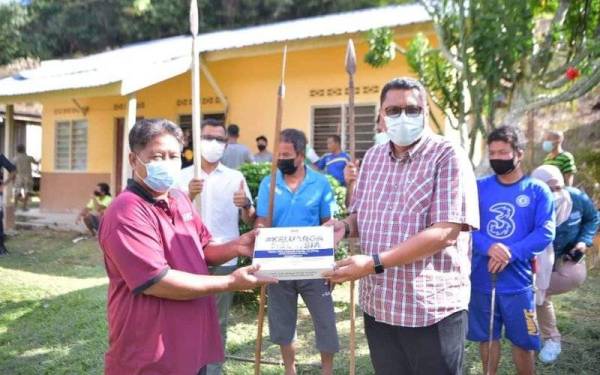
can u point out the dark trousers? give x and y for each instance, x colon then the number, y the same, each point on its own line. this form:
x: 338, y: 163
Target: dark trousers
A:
x: 433, y: 350
x: 202, y: 371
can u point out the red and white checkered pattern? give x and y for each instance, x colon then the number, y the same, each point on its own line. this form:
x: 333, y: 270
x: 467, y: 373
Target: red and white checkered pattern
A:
x: 396, y: 198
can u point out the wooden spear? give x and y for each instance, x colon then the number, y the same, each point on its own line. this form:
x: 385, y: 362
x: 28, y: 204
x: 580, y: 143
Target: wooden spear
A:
x: 351, y: 69
x: 196, y: 111
x: 263, y: 290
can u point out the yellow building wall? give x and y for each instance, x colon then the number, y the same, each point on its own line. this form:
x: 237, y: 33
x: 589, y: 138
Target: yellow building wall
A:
x: 250, y: 85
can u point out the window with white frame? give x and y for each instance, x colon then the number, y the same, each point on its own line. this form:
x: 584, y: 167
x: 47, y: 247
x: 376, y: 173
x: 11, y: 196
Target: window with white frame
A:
x: 71, y: 144
x: 334, y: 120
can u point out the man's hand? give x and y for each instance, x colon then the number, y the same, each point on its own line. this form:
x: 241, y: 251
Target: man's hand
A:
x: 246, y: 243
x: 581, y: 246
x: 339, y: 229
x: 246, y: 278
x: 496, y: 267
x: 240, y: 199
x: 355, y: 267
x: 500, y: 253
x: 195, y: 187
x: 351, y: 172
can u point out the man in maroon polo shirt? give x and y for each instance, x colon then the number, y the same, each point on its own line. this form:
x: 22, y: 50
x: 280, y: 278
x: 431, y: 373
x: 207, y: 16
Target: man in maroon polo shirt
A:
x: 162, y: 317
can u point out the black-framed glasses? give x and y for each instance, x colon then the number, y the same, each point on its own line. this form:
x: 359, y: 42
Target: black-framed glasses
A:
x: 409, y: 110
x: 214, y: 138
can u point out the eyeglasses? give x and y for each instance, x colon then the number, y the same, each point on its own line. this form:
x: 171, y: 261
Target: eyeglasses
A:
x: 409, y: 110
x: 214, y: 138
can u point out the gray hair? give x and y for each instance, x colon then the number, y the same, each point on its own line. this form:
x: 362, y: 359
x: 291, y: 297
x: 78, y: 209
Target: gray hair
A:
x: 296, y: 138
x: 407, y: 83
x: 146, y: 130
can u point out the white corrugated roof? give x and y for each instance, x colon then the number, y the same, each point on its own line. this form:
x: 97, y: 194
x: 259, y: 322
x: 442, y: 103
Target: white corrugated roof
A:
x: 142, y: 64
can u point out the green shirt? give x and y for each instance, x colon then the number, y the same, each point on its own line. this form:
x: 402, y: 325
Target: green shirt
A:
x: 102, y: 201
x: 563, y: 161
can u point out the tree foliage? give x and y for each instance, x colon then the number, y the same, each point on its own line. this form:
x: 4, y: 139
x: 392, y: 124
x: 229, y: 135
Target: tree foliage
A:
x: 58, y: 28
x: 12, y: 19
x: 499, y: 59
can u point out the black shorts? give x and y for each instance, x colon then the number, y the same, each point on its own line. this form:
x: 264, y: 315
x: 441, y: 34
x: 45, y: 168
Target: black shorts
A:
x: 437, y: 349
x: 95, y: 221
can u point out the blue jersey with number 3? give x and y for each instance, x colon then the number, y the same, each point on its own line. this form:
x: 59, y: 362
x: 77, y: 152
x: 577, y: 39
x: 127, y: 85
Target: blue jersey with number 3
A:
x: 520, y: 216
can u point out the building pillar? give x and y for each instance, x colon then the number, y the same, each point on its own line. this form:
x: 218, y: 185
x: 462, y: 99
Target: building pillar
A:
x: 129, y: 123
x: 7, y: 197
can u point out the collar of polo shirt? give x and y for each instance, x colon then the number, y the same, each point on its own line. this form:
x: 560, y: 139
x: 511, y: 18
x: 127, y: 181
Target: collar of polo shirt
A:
x: 136, y: 188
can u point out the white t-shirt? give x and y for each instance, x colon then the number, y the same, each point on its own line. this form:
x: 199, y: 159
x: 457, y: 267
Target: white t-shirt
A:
x: 218, y: 212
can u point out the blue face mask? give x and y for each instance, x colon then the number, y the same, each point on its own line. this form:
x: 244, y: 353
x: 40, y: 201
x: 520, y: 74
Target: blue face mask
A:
x: 548, y: 146
x: 381, y: 138
x: 161, y: 175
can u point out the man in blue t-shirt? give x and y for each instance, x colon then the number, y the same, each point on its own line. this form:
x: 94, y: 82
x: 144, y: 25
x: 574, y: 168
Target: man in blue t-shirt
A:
x: 517, y: 222
x: 303, y: 198
x: 334, y: 162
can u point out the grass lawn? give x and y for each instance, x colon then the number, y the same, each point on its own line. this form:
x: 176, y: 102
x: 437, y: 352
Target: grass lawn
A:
x: 52, y: 318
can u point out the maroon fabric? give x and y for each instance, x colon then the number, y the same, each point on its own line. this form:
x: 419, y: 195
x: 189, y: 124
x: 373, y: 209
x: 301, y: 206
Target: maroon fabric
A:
x: 142, y: 239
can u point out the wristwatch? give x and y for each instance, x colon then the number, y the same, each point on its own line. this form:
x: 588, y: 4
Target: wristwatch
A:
x: 247, y: 205
x: 377, y: 264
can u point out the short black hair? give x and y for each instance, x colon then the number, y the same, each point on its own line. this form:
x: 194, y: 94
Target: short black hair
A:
x: 262, y: 138
x: 146, y: 129
x: 296, y: 138
x: 336, y: 138
x: 21, y: 149
x: 509, y: 134
x: 104, y: 187
x: 402, y: 83
x: 212, y: 122
x: 233, y: 130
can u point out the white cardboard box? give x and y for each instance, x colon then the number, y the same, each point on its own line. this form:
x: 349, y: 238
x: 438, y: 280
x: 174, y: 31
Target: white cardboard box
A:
x: 296, y: 253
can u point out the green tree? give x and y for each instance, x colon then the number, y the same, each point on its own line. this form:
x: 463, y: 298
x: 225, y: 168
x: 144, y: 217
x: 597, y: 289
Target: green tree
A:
x: 500, y: 59
x: 12, y: 19
x: 59, y: 28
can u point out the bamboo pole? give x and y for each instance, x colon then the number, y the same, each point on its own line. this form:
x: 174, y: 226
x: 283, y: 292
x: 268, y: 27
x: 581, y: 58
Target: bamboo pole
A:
x: 278, y: 121
x: 351, y: 70
x: 196, y: 110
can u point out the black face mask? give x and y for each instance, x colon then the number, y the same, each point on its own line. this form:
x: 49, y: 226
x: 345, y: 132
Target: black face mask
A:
x: 262, y: 147
x: 97, y: 193
x: 503, y: 166
x: 286, y: 166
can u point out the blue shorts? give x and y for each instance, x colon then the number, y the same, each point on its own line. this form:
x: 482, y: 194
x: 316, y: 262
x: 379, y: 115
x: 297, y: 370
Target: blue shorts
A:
x: 516, y: 312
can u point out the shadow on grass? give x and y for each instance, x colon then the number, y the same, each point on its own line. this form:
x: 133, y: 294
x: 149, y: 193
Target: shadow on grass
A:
x: 60, y: 335
x: 53, y: 253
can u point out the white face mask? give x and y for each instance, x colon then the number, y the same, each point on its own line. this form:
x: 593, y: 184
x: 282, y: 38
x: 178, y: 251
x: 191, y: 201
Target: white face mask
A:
x: 563, y: 204
x: 381, y: 138
x: 404, y: 130
x: 212, y: 151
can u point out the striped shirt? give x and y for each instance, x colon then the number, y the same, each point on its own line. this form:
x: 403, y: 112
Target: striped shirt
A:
x: 395, y: 199
x: 563, y: 161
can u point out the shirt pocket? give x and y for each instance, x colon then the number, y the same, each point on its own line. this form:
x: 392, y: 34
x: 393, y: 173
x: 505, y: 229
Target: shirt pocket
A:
x: 417, y: 196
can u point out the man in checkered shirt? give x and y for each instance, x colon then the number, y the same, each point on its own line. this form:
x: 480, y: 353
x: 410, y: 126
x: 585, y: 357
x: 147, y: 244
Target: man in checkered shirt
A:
x: 414, y: 205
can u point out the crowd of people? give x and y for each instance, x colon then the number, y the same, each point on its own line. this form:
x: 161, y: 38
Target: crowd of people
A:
x: 445, y: 257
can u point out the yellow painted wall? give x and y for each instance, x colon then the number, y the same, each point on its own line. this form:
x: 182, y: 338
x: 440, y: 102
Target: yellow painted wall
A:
x: 250, y: 85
